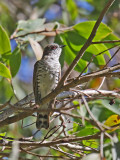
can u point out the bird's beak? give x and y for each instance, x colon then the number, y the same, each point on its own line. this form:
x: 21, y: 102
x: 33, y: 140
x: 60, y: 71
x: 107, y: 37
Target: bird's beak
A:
x: 61, y: 46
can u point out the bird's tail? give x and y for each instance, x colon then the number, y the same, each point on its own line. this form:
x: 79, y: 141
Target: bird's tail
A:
x: 42, y: 120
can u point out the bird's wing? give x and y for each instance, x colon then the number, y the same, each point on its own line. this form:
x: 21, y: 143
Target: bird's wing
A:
x: 35, y: 83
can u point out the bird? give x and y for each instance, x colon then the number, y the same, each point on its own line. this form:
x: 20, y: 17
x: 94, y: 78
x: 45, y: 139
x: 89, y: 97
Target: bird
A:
x: 46, y: 76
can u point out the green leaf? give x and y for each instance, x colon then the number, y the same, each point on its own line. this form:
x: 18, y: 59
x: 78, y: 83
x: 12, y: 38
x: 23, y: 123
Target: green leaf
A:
x: 111, y: 37
x: 72, y: 8
x: 93, y: 143
x: 7, y: 91
x: 27, y: 28
x: 36, y: 37
x: 4, y: 42
x: 29, y: 25
x: 87, y: 131
x: 2, y: 134
x: 94, y: 50
x: 85, y: 28
x: 73, y: 44
x: 102, y: 109
x: 105, y: 103
x: 4, y: 71
x: 114, y: 108
x: 75, y: 102
x: 15, y: 61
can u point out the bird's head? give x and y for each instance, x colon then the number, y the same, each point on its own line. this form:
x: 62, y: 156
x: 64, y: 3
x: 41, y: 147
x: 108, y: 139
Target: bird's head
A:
x: 53, y: 50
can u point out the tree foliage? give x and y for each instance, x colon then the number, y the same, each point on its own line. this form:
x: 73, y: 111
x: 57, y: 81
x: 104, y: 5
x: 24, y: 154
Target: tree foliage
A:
x: 85, y: 121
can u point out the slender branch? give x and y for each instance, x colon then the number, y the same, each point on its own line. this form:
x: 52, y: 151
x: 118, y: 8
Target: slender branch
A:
x: 38, y: 155
x: 4, y: 154
x: 51, y: 143
x: 5, y: 104
x: 101, y: 84
x: 101, y: 73
x: 23, y: 102
x: 101, y: 145
x: 65, y: 153
x: 112, y: 56
x: 87, y: 92
x: 85, y: 78
x: 15, y: 118
x: 103, y: 80
x: 99, y: 125
x: 42, y: 32
x: 87, y: 44
x: 93, y: 56
x: 113, y: 41
x: 78, y: 147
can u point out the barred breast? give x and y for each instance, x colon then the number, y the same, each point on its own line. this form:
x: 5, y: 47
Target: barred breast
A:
x: 47, y: 77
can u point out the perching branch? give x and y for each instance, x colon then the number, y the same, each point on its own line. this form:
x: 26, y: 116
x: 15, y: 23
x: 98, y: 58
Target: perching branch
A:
x: 52, y: 143
x: 108, y: 72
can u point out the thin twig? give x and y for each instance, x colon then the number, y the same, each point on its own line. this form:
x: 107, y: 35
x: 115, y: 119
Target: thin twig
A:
x: 60, y: 150
x: 5, y: 104
x: 113, y: 41
x: 90, y: 113
x: 101, y: 145
x: 112, y: 57
x: 42, y: 32
x: 51, y: 143
x: 94, y: 56
x: 38, y: 155
x: 106, y: 66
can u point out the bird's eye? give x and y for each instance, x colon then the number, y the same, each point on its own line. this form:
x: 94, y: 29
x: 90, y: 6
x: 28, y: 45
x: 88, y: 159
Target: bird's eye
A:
x: 53, y: 47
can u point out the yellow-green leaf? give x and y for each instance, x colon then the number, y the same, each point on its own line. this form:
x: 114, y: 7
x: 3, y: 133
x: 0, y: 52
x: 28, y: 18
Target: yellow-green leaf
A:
x: 5, y: 47
x: 4, y: 71
x: 85, y: 29
x: 15, y: 61
x: 112, y: 121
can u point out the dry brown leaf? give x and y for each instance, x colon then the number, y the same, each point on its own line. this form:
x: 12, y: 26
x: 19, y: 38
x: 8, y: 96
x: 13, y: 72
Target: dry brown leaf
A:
x: 36, y: 48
